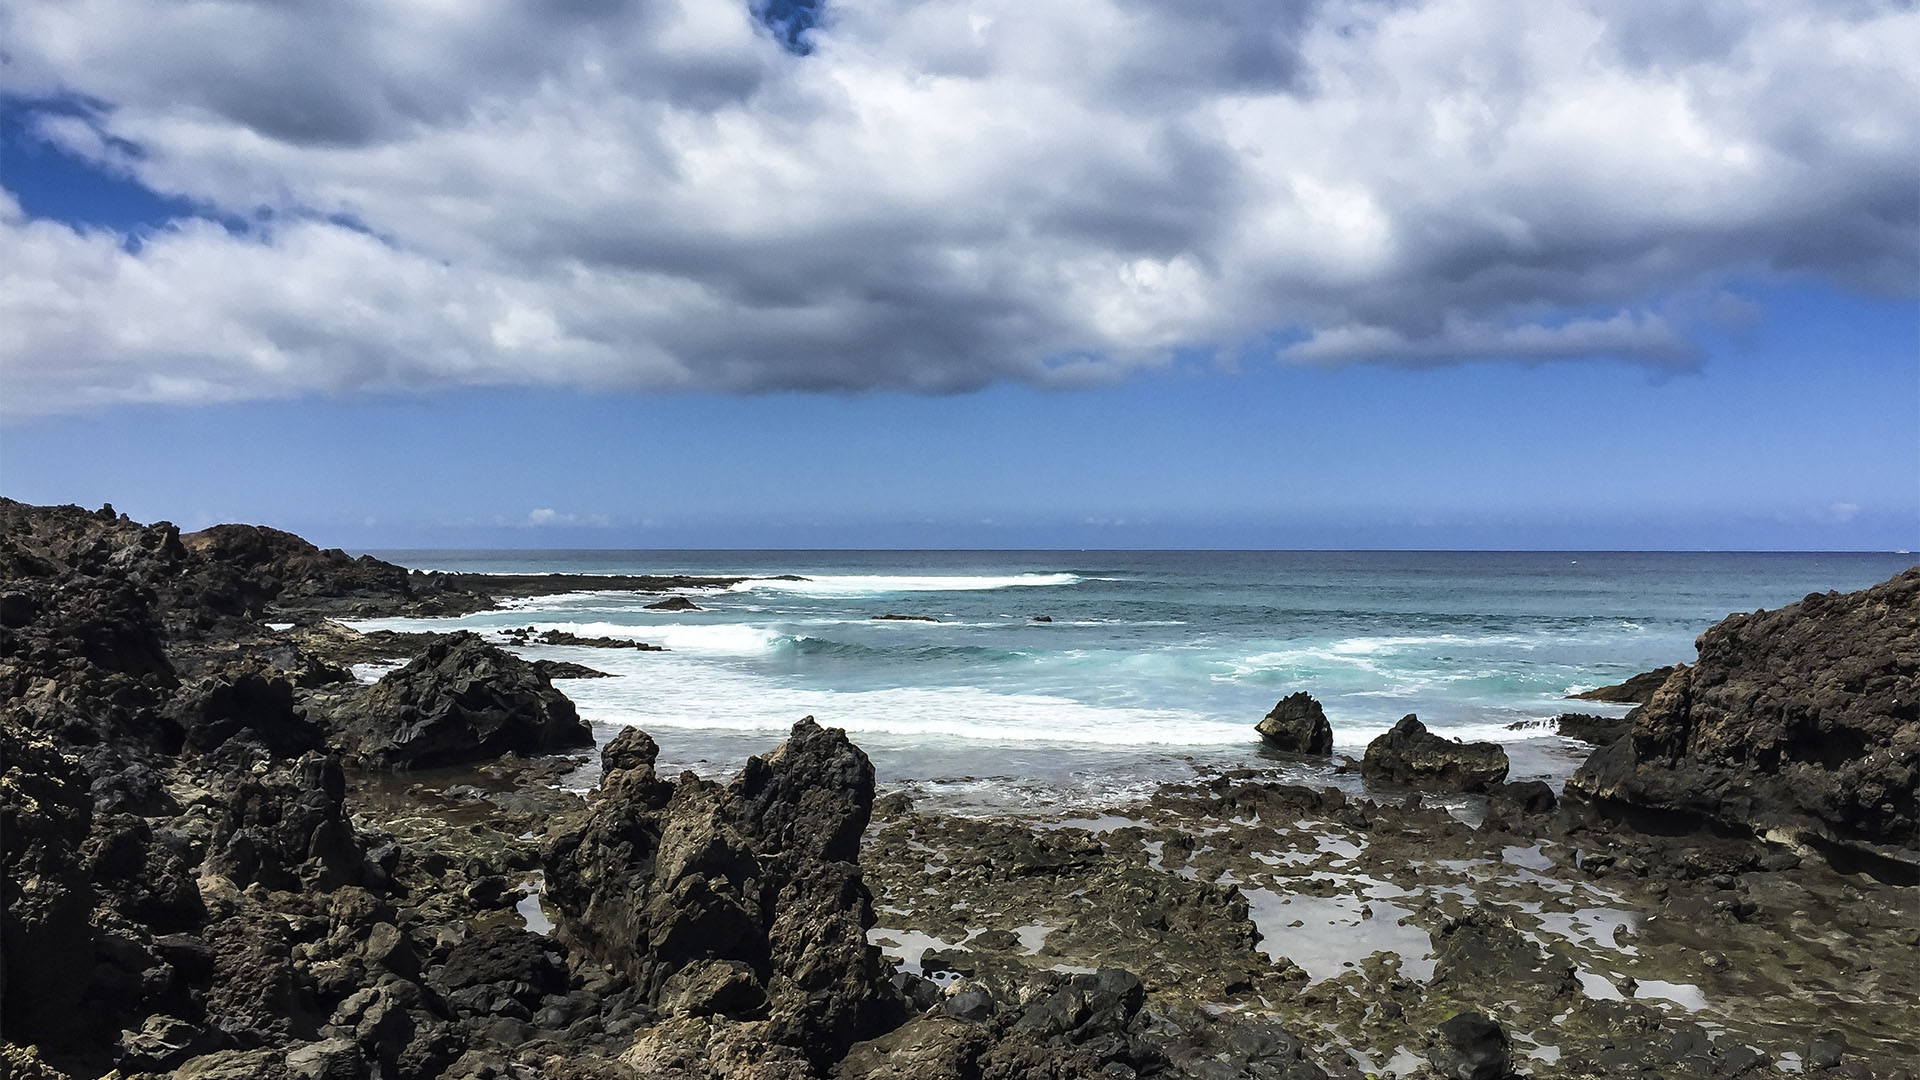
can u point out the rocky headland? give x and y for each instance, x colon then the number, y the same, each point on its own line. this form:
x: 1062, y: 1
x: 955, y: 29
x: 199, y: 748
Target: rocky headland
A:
x: 239, y: 851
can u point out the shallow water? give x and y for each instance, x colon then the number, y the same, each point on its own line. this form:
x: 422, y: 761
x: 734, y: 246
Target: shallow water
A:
x: 1152, y: 661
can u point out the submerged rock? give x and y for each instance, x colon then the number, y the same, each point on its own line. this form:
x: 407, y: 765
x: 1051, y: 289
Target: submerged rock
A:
x: 1297, y: 725
x: 460, y: 700
x: 1803, y: 721
x: 673, y: 603
x: 1410, y: 754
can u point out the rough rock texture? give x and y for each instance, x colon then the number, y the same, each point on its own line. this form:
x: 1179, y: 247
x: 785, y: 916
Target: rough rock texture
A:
x: 740, y: 901
x: 673, y: 603
x: 460, y: 700
x: 1410, y: 754
x: 1297, y: 725
x: 1804, y: 721
x: 45, y: 938
x: 288, y: 829
x: 1598, y: 730
x: 1634, y: 691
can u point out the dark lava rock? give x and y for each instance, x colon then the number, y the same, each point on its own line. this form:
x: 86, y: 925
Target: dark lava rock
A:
x: 1410, y: 754
x: 1598, y: 730
x: 460, y: 700
x: 1042, y: 618
x: 46, y: 942
x: 757, y: 876
x: 288, y: 829
x: 248, y: 698
x: 673, y: 603
x: 890, y: 617
x: 1803, y: 722
x: 563, y: 637
x: 1297, y: 725
x: 482, y: 974
x: 1088, y: 1009
x: 1473, y: 1048
x: 246, y: 567
x: 1527, y: 796
x: 562, y: 669
x: 1635, y: 691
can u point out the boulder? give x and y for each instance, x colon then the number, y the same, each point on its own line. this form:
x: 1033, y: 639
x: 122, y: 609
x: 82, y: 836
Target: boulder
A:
x: 1297, y: 725
x: 1411, y: 755
x: 1803, y: 723
x: 460, y: 700
x: 732, y: 901
x: 1472, y: 1047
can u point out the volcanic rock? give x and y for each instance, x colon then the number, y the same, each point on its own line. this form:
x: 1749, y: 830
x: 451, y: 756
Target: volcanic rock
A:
x: 288, y: 829
x: 1802, y: 722
x: 1473, y: 1048
x: 1634, y: 691
x: 1410, y: 754
x: 673, y: 603
x: 46, y: 942
x: 757, y: 877
x: 460, y: 700
x: 1598, y: 730
x: 1297, y: 725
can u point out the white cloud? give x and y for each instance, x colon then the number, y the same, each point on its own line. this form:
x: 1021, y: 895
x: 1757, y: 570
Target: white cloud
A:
x: 942, y: 195
x: 541, y: 517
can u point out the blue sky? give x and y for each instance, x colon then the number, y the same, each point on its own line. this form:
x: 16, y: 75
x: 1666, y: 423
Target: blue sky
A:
x: 316, y: 313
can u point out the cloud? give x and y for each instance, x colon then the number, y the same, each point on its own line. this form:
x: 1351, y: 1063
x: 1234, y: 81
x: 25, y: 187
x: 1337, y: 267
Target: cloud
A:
x: 938, y: 195
x: 544, y: 516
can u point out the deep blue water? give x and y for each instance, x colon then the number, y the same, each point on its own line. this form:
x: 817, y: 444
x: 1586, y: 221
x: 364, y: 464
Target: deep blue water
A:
x: 1151, y: 658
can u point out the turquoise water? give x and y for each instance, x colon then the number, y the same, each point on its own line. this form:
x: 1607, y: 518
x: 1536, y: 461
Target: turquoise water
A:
x: 1151, y: 660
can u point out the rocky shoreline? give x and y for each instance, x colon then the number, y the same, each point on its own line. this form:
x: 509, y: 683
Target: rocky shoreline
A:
x: 227, y: 856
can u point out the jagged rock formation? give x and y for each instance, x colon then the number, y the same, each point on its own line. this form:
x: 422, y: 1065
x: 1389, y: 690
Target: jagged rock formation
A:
x: 1410, y: 754
x: 1804, y: 722
x: 459, y: 700
x: 1297, y: 725
x: 736, y: 905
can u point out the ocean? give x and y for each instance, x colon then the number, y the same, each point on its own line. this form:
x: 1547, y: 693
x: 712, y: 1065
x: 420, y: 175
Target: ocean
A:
x: 1151, y: 662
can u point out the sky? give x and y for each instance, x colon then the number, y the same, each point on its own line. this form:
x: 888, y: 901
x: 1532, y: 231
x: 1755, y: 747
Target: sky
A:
x: 869, y: 273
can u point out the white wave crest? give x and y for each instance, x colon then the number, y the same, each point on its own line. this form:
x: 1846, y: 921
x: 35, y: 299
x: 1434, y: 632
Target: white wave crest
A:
x: 849, y: 585
x: 687, y: 693
x: 716, y: 640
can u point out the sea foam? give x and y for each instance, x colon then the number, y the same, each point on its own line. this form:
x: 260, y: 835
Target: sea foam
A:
x: 853, y: 585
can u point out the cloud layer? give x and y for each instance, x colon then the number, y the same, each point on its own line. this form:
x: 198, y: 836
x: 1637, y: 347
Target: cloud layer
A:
x: 938, y: 195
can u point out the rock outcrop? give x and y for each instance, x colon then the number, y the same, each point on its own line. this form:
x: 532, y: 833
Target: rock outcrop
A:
x: 460, y: 700
x: 1411, y: 755
x: 1297, y: 725
x: 673, y: 603
x: 739, y: 904
x: 1634, y: 691
x: 1588, y: 728
x: 1802, y: 722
